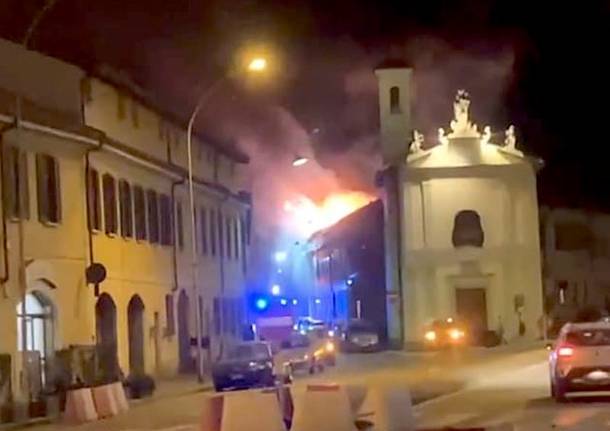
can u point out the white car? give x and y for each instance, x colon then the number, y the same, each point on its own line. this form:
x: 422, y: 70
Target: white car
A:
x: 580, y: 360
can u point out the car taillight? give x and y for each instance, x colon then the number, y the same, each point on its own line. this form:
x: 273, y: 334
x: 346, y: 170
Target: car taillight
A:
x: 565, y: 352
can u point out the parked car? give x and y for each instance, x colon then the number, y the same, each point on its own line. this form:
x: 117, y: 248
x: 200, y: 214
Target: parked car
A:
x: 246, y: 365
x: 305, y: 353
x: 307, y: 324
x: 580, y: 359
x: 360, y: 336
x: 448, y: 332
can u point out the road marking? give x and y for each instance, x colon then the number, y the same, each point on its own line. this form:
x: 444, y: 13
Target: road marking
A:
x: 185, y: 427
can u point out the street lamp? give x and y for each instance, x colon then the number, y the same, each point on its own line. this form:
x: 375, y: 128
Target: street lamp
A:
x: 299, y: 161
x: 257, y: 65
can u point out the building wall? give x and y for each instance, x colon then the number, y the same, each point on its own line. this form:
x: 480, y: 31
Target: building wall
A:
x: 55, y: 254
x: 29, y: 73
x: 507, y: 265
x: 131, y: 147
x: 576, y: 260
x: 129, y: 121
x: 145, y: 269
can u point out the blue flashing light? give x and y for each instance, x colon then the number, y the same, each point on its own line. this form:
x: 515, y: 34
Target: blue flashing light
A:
x: 261, y: 304
x: 295, y: 302
x: 280, y: 256
x: 284, y: 301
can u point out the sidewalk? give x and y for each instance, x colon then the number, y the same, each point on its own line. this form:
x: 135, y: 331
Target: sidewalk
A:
x: 176, y: 405
x: 174, y: 388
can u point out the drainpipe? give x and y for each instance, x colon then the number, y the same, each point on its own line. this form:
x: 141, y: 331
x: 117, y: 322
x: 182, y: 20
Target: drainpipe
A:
x: 175, y: 242
x: 6, y: 269
x: 88, y: 206
x: 221, y: 265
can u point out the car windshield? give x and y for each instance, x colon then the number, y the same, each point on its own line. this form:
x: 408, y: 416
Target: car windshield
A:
x: 589, y: 337
x: 361, y: 326
x: 250, y: 351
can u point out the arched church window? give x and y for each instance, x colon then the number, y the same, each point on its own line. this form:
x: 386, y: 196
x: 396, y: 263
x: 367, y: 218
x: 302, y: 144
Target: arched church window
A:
x: 467, y: 229
x: 395, y: 100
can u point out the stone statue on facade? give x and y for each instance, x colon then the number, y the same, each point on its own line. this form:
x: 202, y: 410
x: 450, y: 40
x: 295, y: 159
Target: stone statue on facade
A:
x: 442, y: 136
x: 418, y: 142
x: 486, y: 137
x: 509, y: 138
x: 461, y: 126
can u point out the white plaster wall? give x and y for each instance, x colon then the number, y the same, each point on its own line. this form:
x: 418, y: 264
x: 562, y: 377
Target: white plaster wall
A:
x: 507, y: 265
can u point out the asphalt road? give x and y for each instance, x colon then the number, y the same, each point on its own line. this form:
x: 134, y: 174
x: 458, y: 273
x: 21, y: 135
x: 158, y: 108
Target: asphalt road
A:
x: 486, y: 388
x: 514, y: 392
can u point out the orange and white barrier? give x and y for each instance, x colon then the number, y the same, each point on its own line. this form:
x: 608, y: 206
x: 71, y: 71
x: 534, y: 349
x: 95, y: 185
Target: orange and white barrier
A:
x: 211, y: 413
x: 501, y: 427
x: 120, y: 397
x: 105, y: 401
x: 252, y: 411
x: 80, y: 406
x: 323, y: 408
x: 388, y: 409
x: 357, y: 395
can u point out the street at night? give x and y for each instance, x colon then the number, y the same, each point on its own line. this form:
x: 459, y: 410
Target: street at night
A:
x: 459, y: 389
x: 261, y: 215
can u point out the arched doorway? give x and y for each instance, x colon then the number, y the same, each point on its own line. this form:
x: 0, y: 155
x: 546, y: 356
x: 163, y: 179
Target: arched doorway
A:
x: 135, y: 326
x: 106, y: 335
x: 35, y: 337
x: 184, y: 336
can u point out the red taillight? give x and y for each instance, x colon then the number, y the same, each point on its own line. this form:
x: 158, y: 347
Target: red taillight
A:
x: 565, y: 352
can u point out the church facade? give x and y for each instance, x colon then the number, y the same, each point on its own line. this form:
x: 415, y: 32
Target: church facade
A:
x: 461, y: 222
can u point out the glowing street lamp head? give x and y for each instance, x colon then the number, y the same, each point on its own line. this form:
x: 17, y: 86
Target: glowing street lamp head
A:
x: 299, y: 161
x: 257, y: 64
x: 280, y: 256
x: 275, y: 289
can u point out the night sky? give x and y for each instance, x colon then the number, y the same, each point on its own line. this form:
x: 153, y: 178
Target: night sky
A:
x: 539, y: 65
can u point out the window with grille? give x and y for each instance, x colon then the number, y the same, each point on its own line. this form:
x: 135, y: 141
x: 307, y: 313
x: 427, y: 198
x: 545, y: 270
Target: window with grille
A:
x: 110, y: 204
x: 95, y: 204
x: 126, y: 209
x: 179, y: 225
x: 236, y: 237
x: 213, y: 231
x: 152, y: 201
x: 49, y: 193
x: 139, y: 206
x: 229, y: 229
x: 165, y: 212
x: 16, y: 192
x: 203, y: 220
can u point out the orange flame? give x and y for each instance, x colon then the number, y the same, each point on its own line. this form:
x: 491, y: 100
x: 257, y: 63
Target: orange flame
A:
x: 309, y: 217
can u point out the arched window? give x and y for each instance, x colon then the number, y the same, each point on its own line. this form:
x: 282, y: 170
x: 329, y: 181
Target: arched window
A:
x: 395, y: 100
x: 467, y: 229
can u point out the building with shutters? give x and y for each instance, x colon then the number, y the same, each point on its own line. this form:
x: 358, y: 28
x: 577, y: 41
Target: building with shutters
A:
x: 461, y: 222
x: 96, y: 173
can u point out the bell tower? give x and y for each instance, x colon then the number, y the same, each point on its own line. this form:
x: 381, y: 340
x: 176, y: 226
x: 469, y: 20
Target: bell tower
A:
x: 395, y: 86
